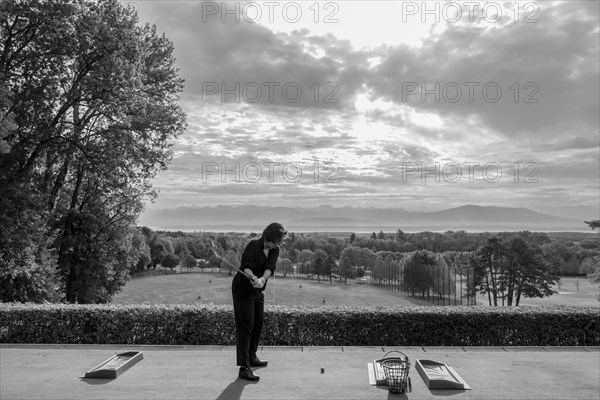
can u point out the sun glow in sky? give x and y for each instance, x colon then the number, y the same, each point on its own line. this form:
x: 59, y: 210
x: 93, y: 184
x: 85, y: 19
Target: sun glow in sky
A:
x: 350, y: 102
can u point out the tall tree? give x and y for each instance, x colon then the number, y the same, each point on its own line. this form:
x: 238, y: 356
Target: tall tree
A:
x: 594, y: 276
x: 305, y: 259
x: 328, y: 267
x: 509, y: 267
x: 170, y: 261
x: 188, y: 262
x: 91, y: 117
x: 285, y: 266
x: 416, y: 275
x: 593, y: 223
x: 347, y: 265
x: 319, y: 260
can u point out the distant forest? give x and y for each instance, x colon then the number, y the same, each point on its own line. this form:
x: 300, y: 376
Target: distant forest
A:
x: 569, y: 253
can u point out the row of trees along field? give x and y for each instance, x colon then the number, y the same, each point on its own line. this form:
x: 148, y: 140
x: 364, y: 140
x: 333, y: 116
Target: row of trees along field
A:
x: 507, y: 266
x: 565, y: 255
x: 88, y: 102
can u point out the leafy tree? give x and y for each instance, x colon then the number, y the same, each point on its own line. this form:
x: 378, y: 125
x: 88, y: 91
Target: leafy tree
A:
x: 319, y: 260
x: 329, y: 267
x: 7, y: 122
x: 509, y: 267
x: 92, y: 102
x: 594, y: 276
x: 170, y: 261
x: 144, y: 259
x: 160, y: 246
x: 222, y: 241
x: 528, y: 275
x: 593, y: 224
x: 180, y: 247
x: 416, y: 276
x: 291, y: 254
x: 489, y: 263
x: 305, y: 259
x: 28, y: 270
x: 360, y: 272
x: 400, y: 235
x: 195, y: 247
x: 188, y: 262
x: 347, y: 265
x: 285, y: 266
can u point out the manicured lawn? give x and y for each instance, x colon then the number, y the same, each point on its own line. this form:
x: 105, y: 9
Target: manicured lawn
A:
x: 568, y: 295
x: 215, y: 288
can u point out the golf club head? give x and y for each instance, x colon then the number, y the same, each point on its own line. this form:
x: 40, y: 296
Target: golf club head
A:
x: 214, y: 247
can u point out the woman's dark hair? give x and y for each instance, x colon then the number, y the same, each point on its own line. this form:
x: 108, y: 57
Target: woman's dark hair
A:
x: 274, y: 232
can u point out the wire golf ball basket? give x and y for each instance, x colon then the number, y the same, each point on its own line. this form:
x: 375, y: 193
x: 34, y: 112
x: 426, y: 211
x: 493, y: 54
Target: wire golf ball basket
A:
x: 396, y: 372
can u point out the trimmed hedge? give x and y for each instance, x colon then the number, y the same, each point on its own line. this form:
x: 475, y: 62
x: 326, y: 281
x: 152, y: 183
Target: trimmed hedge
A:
x: 306, y: 326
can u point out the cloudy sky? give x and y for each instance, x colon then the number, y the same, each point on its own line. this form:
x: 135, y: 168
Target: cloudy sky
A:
x: 384, y: 104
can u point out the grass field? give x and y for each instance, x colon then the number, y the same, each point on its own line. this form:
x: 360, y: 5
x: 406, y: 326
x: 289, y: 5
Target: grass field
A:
x: 568, y: 295
x: 215, y: 288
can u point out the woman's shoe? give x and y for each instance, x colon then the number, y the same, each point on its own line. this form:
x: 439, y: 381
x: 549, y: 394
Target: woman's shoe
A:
x: 248, y: 374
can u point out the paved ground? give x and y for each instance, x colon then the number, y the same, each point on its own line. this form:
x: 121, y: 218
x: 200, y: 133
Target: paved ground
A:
x: 205, y: 372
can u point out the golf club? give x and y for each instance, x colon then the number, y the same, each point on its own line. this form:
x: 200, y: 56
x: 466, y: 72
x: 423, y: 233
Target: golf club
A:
x: 228, y: 263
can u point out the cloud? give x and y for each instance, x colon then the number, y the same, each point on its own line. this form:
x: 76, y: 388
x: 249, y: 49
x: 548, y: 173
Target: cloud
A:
x: 554, y: 62
x: 374, y: 127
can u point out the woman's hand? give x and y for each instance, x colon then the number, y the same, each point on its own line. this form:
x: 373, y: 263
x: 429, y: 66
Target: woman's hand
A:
x: 258, y: 283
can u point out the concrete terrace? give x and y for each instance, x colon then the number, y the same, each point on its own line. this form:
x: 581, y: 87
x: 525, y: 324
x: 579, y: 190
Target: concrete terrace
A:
x: 209, y: 372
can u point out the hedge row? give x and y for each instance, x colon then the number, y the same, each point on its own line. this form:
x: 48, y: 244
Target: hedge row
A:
x: 307, y: 326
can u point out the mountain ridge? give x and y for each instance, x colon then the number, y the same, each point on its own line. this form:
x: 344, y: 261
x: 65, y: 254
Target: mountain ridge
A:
x: 348, y: 218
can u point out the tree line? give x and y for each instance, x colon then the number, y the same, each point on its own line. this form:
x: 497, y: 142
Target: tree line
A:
x: 88, y: 114
x: 505, y: 267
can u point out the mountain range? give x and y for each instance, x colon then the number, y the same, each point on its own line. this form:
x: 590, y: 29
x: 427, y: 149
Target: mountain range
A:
x: 326, y: 218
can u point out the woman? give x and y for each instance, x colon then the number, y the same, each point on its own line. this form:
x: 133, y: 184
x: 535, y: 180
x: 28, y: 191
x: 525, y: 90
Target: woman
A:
x: 258, y: 261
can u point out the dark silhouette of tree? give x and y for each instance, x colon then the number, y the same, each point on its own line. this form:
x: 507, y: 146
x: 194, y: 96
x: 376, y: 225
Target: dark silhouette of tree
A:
x: 93, y: 111
x: 593, y: 224
x: 188, y: 262
x: 170, y: 261
x: 416, y: 276
x: 328, y: 268
x: 347, y: 265
x: 512, y: 266
x: 318, y: 263
x: 594, y: 276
